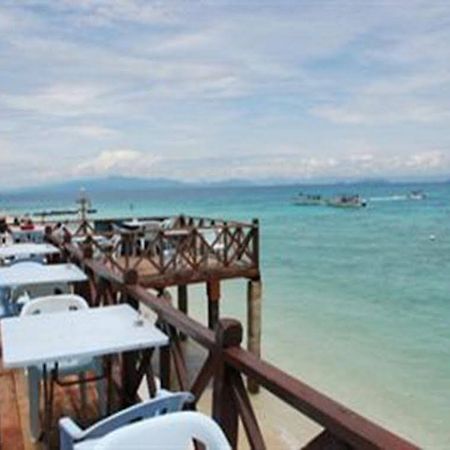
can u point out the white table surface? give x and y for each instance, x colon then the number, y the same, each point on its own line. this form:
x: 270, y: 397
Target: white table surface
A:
x: 23, y: 249
x: 38, y: 339
x: 142, y: 223
x: 25, y: 273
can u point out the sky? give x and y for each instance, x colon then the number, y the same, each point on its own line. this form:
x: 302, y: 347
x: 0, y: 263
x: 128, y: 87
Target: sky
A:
x: 212, y: 90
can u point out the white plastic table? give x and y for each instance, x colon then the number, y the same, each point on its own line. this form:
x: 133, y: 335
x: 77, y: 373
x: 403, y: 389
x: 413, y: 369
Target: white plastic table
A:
x: 138, y: 224
x: 45, y: 338
x: 26, y: 273
x: 39, y: 340
x: 26, y: 249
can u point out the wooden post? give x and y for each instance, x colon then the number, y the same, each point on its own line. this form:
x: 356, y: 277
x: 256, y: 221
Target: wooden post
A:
x: 213, y: 293
x: 183, y: 304
x: 255, y: 223
x: 254, y: 301
x: 129, y: 359
x: 224, y: 408
x: 165, y: 369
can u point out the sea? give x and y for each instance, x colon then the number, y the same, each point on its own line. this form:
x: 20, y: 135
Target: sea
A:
x: 356, y: 301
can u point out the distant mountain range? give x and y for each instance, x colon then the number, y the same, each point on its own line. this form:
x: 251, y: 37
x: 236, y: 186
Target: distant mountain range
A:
x: 119, y: 183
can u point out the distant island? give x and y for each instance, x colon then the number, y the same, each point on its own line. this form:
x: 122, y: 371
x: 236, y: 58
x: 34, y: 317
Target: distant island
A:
x: 125, y: 183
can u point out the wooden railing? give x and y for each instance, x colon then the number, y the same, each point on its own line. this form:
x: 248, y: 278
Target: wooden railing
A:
x: 226, y: 365
x: 191, y: 248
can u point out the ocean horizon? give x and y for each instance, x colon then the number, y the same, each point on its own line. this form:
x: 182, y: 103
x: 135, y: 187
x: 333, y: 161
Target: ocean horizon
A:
x: 356, y: 302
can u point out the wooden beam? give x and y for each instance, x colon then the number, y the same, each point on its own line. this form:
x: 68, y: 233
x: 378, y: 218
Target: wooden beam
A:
x: 254, y: 302
x: 199, y: 276
x: 213, y: 293
x: 183, y: 303
x: 224, y: 408
x: 247, y: 413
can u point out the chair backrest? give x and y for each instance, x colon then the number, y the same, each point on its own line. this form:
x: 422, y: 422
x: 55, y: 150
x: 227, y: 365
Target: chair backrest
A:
x: 165, y: 403
x: 174, y: 431
x: 37, y: 290
x: 54, y: 303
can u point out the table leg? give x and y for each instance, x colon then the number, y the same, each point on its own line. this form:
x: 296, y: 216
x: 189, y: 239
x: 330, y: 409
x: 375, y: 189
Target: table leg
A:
x: 109, y: 383
x: 48, y: 381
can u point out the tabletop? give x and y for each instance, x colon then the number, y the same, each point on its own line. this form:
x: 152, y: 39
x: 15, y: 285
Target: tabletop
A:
x: 45, y: 338
x: 26, y: 273
x: 142, y: 223
x: 28, y: 248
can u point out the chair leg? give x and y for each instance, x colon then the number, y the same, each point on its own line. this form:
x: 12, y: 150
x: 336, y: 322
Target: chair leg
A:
x: 34, y: 382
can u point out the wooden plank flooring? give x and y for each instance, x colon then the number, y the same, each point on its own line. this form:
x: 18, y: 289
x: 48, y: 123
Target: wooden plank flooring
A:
x: 14, y: 410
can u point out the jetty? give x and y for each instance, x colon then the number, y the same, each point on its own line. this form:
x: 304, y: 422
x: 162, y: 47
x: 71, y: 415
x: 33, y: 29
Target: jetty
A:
x: 132, y: 262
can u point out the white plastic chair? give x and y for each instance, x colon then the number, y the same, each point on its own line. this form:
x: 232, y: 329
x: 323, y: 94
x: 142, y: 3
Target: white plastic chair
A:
x: 13, y: 298
x: 23, y: 294
x: 69, y: 366
x: 174, y: 431
x: 72, y: 437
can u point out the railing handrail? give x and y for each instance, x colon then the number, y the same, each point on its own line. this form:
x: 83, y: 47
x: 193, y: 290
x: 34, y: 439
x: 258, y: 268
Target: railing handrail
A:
x: 341, y: 421
x: 200, y: 219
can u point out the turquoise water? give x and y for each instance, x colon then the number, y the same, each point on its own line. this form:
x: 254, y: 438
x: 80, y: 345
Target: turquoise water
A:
x: 356, y: 302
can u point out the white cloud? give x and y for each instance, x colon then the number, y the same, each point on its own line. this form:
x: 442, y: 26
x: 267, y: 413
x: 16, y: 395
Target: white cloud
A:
x: 57, y: 99
x: 425, y: 161
x: 113, y: 162
x: 211, y: 85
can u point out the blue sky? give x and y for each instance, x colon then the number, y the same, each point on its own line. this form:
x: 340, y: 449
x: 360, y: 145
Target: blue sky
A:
x: 214, y: 89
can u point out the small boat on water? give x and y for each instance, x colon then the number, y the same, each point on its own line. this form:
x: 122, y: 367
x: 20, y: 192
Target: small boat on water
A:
x: 347, y: 201
x: 417, y: 195
x: 308, y: 200
x: 340, y: 201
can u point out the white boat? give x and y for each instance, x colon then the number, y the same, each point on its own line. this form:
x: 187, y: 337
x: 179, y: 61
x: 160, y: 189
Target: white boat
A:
x: 347, y: 201
x: 417, y: 195
x: 308, y: 200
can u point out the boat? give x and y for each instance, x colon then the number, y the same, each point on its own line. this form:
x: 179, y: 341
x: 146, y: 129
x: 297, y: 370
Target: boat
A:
x: 308, y: 200
x: 347, y: 201
x: 417, y: 195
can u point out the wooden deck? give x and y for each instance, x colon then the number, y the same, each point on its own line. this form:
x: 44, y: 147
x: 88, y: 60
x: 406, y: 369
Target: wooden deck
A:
x: 14, y: 410
x: 151, y: 277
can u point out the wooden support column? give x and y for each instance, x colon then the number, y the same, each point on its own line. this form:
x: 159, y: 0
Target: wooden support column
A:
x: 183, y: 304
x: 254, y: 303
x: 224, y: 407
x: 82, y: 288
x: 129, y: 359
x: 213, y: 293
x: 165, y: 367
